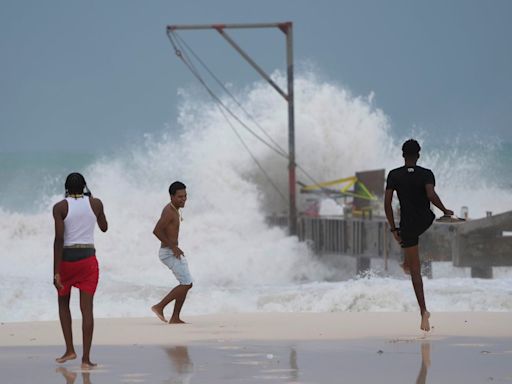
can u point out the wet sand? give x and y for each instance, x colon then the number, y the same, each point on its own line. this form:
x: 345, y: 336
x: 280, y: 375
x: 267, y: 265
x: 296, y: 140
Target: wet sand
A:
x: 266, y: 347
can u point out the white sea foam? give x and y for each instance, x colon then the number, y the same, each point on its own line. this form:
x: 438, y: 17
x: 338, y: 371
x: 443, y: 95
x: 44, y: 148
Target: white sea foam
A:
x: 239, y: 264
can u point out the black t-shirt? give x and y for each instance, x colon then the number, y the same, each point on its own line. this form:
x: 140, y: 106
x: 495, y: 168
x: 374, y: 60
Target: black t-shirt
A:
x: 409, y: 184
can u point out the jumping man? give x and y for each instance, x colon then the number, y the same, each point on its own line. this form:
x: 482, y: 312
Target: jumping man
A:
x: 415, y: 189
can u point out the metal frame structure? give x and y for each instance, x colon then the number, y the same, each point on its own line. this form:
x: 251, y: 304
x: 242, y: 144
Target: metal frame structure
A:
x: 287, y: 29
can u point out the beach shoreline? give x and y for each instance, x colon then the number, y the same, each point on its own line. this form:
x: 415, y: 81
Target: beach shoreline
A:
x: 362, y: 347
x: 264, y: 326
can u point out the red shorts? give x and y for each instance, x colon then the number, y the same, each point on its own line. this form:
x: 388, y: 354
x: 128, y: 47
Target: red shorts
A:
x: 82, y: 274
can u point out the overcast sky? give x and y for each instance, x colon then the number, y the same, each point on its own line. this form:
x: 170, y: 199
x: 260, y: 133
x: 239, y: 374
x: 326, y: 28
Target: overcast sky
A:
x: 91, y: 74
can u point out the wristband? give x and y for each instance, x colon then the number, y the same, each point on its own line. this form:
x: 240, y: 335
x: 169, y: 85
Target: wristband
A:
x: 393, y: 229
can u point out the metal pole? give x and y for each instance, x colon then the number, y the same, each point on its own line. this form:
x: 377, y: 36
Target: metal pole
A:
x: 292, y: 215
x: 252, y: 62
x: 228, y: 26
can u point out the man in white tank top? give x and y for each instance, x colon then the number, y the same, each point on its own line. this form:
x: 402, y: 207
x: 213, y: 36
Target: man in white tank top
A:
x: 75, y: 263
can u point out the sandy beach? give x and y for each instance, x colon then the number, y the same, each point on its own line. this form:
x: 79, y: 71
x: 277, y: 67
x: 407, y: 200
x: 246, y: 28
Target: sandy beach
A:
x: 464, y: 347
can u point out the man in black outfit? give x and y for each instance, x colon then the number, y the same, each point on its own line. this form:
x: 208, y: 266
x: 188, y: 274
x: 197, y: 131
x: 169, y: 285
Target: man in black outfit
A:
x: 414, y: 186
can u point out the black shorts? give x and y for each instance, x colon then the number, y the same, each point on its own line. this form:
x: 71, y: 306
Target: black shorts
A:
x: 411, y: 229
x: 410, y: 236
x: 409, y: 240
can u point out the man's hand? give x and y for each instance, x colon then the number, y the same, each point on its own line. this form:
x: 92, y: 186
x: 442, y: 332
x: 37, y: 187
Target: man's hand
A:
x: 448, y: 212
x: 177, y: 252
x: 397, y: 237
x: 56, y: 282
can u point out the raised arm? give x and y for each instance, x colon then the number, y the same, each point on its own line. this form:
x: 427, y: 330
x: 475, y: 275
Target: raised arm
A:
x: 436, y: 200
x: 97, y: 207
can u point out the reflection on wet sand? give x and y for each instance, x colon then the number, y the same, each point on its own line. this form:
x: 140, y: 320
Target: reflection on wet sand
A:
x: 425, y: 363
x: 183, y: 367
x: 71, y: 376
x: 254, y: 364
x: 182, y: 364
x: 294, y: 374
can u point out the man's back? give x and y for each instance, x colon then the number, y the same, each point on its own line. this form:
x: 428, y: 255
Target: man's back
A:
x: 409, y: 183
x: 79, y: 222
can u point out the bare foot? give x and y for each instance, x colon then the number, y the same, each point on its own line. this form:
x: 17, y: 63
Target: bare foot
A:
x: 158, y: 312
x: 65, y: 357
x: 425, y: 325
x: 176, y: 321
x: 88, y: 365
x: 69, y: 376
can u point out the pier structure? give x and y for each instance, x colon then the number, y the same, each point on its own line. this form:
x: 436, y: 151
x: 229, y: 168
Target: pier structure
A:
x: 479, y: 244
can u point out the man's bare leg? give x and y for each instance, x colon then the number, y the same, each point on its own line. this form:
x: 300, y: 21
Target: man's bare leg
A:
x: 159, y: 312
x: 413, y: 260
x: 180, y: 299
x: 158, y: 309
x: 86, y: 306
x: 405, y: 266
x: 65, y: 323
x: 425, y: 323
x: 174, y: 294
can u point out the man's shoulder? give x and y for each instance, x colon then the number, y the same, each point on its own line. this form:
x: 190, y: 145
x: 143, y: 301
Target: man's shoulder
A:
x: 424, y: 170
x: 167, y: 207
x: 396, y: 170
x: 60, y: 209
x: 169, y: 215
x: 60, y: 204
x: 168, y: 210
x: 95, y: 200
x: 96, y: 205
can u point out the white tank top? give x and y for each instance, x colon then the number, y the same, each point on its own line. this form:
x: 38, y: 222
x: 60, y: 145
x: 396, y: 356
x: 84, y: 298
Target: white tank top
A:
x: 80, y: 222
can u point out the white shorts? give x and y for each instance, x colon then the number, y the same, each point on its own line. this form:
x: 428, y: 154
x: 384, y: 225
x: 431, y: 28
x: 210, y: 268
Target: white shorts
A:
x: 178, y: 266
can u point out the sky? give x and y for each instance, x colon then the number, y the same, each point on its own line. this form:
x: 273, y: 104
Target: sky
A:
x: 89, y: 75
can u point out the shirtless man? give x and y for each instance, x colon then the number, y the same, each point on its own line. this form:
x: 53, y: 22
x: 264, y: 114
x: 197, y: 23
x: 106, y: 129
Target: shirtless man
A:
x: 75, y: 263
x: 167, y: 230
x: 415, y: 189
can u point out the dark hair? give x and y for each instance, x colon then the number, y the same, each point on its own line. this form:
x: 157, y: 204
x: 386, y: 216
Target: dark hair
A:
x: 175, y: 187
x: 411, y: 148
x: 75, y: 183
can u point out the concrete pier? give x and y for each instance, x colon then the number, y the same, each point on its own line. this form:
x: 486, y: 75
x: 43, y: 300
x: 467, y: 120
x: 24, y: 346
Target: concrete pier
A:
x: 479, y: 244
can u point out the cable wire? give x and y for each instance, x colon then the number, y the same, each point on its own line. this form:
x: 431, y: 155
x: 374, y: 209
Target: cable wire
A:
x: 223, y: 109
x: 228, y: 92
x: 178, y: 43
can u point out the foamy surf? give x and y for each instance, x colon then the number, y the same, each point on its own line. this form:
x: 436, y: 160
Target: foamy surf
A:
x: 240, y: 264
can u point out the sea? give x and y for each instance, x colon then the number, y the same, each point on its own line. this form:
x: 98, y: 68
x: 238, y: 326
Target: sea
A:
x: 238, y: 262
